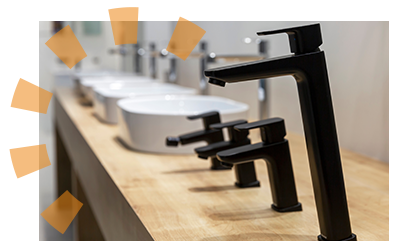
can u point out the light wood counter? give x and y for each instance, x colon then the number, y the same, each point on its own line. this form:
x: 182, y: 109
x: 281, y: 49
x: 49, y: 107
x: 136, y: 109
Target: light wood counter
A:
x: 141, y: 196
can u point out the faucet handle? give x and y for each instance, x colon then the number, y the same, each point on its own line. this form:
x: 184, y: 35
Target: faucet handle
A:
x: 302, y: 39
x: 272, y: 129
x: 208, y: 118
x: 234, y: 135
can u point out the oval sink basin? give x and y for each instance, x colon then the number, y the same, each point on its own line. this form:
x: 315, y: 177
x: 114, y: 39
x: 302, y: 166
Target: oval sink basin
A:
x: 95, y: 72
x: 144, y: 123
x: 106, y: 97
x: 84, y: 74
x: 87, y: 84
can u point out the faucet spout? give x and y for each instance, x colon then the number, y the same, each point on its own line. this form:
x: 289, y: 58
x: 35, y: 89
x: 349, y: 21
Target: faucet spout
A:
x: 242, y: 154
x: 209, y: 136
x: 173, y: 141
x: 296, y: 65
x: 212, y: 149
x: 216, y: 82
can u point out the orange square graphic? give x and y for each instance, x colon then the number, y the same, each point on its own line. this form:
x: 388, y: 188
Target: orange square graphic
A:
x: 44, y: 160
x: 124, y: 14
x: 124, y: 23
x: 185, y: 37
x: 62, y: 212
x: 125, y: 32
x: 66, y: 46
x: 27, y: 160
x: 30, y: 97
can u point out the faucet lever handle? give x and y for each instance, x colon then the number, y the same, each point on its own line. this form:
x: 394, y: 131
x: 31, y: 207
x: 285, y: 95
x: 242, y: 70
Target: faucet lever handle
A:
x: 272, y: 129
x: 302, y: 39
x: 209, y: 118
x: 234, y: 135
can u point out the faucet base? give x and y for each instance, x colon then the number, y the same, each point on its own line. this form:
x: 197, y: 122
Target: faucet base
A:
x: 247, y: 185
x: 353, y: 237
x: 219, y: 167
x: 216, y: 164
x: 294, y: 208
x: 246, y: 175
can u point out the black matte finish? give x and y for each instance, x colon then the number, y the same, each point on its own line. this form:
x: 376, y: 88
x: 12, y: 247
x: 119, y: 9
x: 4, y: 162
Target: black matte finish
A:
x: 277, y: 155
x: 208, y: 135
x: 208, y: 118
x: 310, y: 71
x: 245, y: 173
x: 272, y: 130
x: 303, y: 39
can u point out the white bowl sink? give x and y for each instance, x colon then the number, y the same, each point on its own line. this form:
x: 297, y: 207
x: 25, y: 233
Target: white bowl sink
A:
x: 95, y: 72
x: 76, y: 76
x: 87, y: 84
x: 106, y: 97
x: 145, y: 123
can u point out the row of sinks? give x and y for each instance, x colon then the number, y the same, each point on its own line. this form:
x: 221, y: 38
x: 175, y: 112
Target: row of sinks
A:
x: 147, y: 110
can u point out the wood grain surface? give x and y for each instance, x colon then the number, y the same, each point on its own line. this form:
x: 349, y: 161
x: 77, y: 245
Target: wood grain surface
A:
x: 142, y: 196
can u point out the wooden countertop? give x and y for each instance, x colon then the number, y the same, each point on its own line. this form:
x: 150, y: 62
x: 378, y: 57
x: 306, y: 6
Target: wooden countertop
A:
x: 177, y: 197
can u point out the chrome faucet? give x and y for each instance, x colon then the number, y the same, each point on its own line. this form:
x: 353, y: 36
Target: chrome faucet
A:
x: 263, y: 104
x: 207, y: 58
x: 171, y: 74
x: 152, y: 53
x: 138, y: 52
x: 308, y: 67
x: 153, y: 58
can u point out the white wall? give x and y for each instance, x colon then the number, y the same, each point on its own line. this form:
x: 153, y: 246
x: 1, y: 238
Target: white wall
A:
x: 97, y: 46
x: 358, y: 64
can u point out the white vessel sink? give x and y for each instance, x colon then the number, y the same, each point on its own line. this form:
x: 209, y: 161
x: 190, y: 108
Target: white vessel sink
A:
x: 144, y: 123
x: 106, y: 97
x: 94, y: 72
x: 76, y: 76
x: 87, y: 84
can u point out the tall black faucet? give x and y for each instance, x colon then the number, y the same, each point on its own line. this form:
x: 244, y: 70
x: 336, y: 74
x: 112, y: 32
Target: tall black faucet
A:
x: 308, y: 67
x: 208, y: 135
x: 245, y: 172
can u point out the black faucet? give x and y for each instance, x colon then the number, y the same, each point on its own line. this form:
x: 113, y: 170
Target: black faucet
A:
x: 274, y: 149
x: 208, y: 135
x: 308, y: 67
x: 245, y: 173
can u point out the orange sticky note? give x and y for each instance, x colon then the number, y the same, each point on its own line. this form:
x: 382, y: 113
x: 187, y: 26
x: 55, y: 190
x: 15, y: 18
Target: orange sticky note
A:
x: 124, y: 23
x: 29, y: 159
x: 66, y: 46
x: 185, y: 37
x: 62, y: 212
x: 30, y: 97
